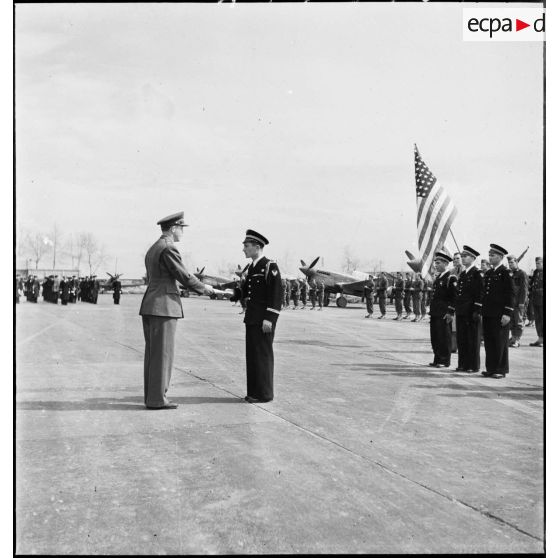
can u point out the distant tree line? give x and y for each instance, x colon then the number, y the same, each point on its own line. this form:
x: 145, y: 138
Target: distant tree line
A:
x: 55, y: 249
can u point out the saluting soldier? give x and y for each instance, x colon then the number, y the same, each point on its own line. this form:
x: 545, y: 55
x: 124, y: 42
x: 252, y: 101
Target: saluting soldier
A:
x: 369, y: 295
x: 161, y: 308
x: 442, y: 309
x: 408, y: 293
x: 468, y: 308
x: 321, y: 294
x: 117, y: 291
x: 520, y: 285
x: 537, y: 294
x: 497, y: 306
x: 398, y: 288
x: 262, y: 291
x: 381, y: 290
x: 418, y: 285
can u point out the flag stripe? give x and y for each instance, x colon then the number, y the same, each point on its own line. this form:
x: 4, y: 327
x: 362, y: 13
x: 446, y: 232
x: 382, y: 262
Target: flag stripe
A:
x: 435, y: 213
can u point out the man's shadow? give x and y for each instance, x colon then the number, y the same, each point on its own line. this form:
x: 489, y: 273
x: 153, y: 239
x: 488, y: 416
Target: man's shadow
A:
x: 132, y: 403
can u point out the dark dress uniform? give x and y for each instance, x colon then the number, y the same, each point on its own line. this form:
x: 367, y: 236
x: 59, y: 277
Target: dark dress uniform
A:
x: 117, y: 291
x: 537, y: 295
x: 443, y: 302
x: 468, y: 307
x: 398, y: 296
x: 64, y: 291
x: 160, y: 309
x: 303, y: 292
x: 381, y: 289
x: 497, y: 301
x: 262, y: 291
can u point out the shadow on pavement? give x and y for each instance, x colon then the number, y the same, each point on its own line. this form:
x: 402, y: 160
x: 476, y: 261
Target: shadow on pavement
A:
x: 495, y: 391
x: 317, y: 343
x: 106, y: 404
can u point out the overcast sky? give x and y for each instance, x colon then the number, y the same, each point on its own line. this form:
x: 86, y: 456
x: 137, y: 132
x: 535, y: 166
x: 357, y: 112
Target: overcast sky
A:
x: 297, y: 120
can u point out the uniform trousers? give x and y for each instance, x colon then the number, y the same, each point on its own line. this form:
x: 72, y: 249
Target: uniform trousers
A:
x: 382, y: 303
x: 530, y: 312
x: 370, y: 304
x: 423, y: 305
x: 159, y: 332
x: 440, y: 338
x: 259, y: 362
x: 295, y: 299
x: 320, y: 299
x: 116, y: 298
x: 495, y: 345
x: 398, y: 305
x: 416, y: 304
x: 539, y: 319
x: 313, y: 299
x: 407, y: 302
x: 468, y: 343
x: 516, y: 323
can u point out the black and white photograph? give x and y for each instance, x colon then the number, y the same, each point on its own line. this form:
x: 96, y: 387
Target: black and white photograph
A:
x: 279, y: 278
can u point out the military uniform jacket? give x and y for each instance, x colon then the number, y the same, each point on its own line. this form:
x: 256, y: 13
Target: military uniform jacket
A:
x: 398, y: 287
x: 164, y: 268
x: 520, y: 286
x: 537, y: 287
x: 408, y: 285
x: 262, y: 291
x: 368, y: 289
x: 382, y: 286
x: 469, y: 292
x: 417, y: 285
x: 443, y: 295
x: 497, y: 298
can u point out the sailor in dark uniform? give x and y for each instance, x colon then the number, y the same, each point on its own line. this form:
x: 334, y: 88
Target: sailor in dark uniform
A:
x: 468, y: 308
x: 442, y: 309
x: 116, y: 291
x: 262, y: 291
x: 537, y: 295
x: 497, y: 306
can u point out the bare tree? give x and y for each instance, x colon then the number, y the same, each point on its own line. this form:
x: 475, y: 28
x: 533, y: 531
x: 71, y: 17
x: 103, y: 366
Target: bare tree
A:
x: 350, y: 262
x: 37, y: 245
x: 95, y: 254
x: 74, y: 248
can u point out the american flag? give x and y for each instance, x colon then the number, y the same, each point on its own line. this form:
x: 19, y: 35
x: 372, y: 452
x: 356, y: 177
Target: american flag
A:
x: 435, y: 214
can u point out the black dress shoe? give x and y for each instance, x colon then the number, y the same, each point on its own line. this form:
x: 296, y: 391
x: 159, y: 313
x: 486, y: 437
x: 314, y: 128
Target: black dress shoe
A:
x: 255, y: 400
x: 498, y: 375
x: 433, y: 364
x: 471, y: 371
x: 487, y: 374
x: 169, y: 405
x: 442, y: 366
x: 458, y: 369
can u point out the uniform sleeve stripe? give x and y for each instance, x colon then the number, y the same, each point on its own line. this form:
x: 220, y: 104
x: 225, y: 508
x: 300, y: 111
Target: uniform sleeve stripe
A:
x: 508, y: 308
x: 478, y: 304
x: 272, y: 310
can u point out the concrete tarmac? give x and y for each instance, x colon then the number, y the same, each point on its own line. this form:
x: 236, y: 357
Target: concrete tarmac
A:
x: 365, y: 449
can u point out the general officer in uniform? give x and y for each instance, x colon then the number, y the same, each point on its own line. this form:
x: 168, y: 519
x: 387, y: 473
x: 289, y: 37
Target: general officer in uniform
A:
x: 442, y: 309
x: 537, y: 294
x: 468, y: 308
x: 520, y: 284
x: 381, y: 290
x: 497, y: 306
x: 161, y: 307
x: 262, y: 292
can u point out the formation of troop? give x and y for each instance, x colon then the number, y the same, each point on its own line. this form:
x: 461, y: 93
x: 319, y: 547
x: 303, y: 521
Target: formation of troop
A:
x: 54, y: 288
x: 469, y: 304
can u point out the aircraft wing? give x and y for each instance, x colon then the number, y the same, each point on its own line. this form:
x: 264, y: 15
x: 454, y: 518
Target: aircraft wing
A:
x: 355, y: 288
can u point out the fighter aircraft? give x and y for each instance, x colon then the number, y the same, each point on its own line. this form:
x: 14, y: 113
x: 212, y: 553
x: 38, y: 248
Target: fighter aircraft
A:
x: 335, y: 282
x: 108, y: 284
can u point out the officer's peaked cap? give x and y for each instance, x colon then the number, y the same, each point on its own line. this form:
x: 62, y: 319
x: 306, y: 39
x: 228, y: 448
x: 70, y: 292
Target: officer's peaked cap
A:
x: 174, y: 219
x: 470, y: 251
x: 442, y: 256
x: 498, y: 249
x: 253, y: 236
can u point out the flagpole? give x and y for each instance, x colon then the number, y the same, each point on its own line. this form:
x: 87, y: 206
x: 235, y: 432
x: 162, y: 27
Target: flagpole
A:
x: 456, y: 245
